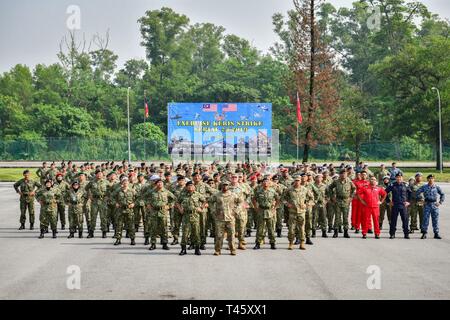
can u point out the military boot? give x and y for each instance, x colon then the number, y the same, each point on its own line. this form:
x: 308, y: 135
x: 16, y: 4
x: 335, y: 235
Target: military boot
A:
x: 233, y: 252
x: 104, y: 234
x: 63, y: 227
x: 174, y: 242
x: 191, y: 246
x: 31, y: 226
x: 313, y: 233
x: 437, y: 236
x: 308, y: 241
x: 257, y: 246
x: 241, y: 245
x: 132, y: 242
x: 272, y: 246
x: 117, y: 242
x: 42, y: 234
x: 54, y: 234
x: 217, y: 253
x: 22, y: 226
x: 330, y: 229
x: 46, y: 230
x: 324, y: 234
x: 346, y: 235
x: 90, y: 234
x: 279, y: 233
x: 302, y: 246
x: 291, y: 245
x: 197, y: 251
x: 165, y: 246
x: 249, y: 233
x: 357, y: 231
x: 202, y: 246
x: 127, y: 235
x: 146, y: 242
x: 152, y: 247
x: 183, y: 250
x: 80, y: 234
x: 70, y: 235
x: 424, y: 236
x: 370, y: 231
x: 340, y: 229
x: 335, y: 234
x: 297, y: 241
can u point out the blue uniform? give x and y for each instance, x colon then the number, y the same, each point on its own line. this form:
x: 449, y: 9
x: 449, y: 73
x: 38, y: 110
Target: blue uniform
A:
x: 431, y: 194
x: 400, y: 194
x: 392, y: 173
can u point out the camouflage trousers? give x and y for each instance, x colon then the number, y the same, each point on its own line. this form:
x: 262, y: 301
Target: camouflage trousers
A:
x: 191, y: 228
x: 176, y: 226
x: 280, y: 216
x: 385, y: 209
x: 415, y: 210
x: 211, y: 223
x: 98, y: 207
x: 61, y: 213
x: 330, y: 214
x: 159, y: 225
x: 264, y: 223
x: 87, y: 212
x: 241, y: 225
x: 341, y: 216
x: 139, y: 214
x: 24, y: 206
x: 250, y: 219
x: 221, y: 228
x: 75, y: 218
x: 125, y: 218
x: 203, y: 226
x: 296, y: 223
x: 320, y: 217
x: 308, y: 221
x: 111, y: 214
x: 48, y: 216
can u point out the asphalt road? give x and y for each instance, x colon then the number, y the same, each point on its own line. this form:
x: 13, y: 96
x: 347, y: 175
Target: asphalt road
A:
x: 330, y: 269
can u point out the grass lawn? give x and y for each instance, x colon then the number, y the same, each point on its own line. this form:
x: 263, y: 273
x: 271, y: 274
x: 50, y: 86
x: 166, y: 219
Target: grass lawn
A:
x: 14, y: 174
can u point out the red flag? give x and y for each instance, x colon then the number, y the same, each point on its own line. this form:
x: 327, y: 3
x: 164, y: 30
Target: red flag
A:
x: 146, y: 107
x: 299, y: 112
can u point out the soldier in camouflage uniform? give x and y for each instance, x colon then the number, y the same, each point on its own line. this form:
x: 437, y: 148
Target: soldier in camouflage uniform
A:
x: 111, y: 187
x: 206, y: 191
x: 26, y: 188
x: 87, y: 202
x: 279, y: 188
x: 191, y: 204
x: 327, y: 179
x: 75, y: 198
x: 309, y: 227
x: 159, y: 203
x: 96, y: 190
x: 47, y: 197
x: 416, y: 203
x: 177, y: 190
x: 224, y: 205
x: 265, y: 201
x: 52, y: 172
x: 251, y: 210
x: 297, y: 198
x: 344, y: 191
x: 139, y: 209
x: 63, y: 187
x: 381, y: 173
x: 320, y: 195
x: 240, y: 212
x: 385, y: 207
x: 125, y: 198
x: 42, y: 173
x: 286, y: 180
x: 210, y: 223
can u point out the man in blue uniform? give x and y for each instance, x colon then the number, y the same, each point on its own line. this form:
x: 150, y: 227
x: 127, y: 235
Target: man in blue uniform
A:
x: 393, y: 171
x: 431, y: 192
x: 399, y: 202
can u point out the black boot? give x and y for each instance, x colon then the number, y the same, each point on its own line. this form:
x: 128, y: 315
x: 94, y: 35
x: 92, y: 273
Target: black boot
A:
x: 126, y: 235
x: 297, y: 241
x: 202, y: 247
x: 346, y: 235
x: 165, y: 246
x: 132, y: 242
x: 22, y: 226
x: 117, y: 242
x: 174, y: 242
x: 42, y: 234
x: 90, y: 234
x: 146, y: 242
x: 257, y: 246
x: 272, y: 246
x: 308, y: 241
x: 406, y: 236
x: 357, y: 231
x: 31, y: 226
x: 104, y: 234
x: 370, y: 231
x: 70, y: 235
x: 54, y: 234
x: 313, y: 233
x: 437, y: 236
x: 63, y: 227
x: 330, y: 229
x: 46, y: 230
x: 183, y: 251
x: 191, y: 246
x: 152, y: 247
x: 340, y: 229
x: 80, y: 234
x: 197, y: 251
x: 335, y: 234
x: 249, y: 233
x: 324, y: 234
x: 424, y: 236
x: 279, y: 233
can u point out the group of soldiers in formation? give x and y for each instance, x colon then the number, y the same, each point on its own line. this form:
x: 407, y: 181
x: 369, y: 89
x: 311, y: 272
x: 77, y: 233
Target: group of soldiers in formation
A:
x: 229, y: 201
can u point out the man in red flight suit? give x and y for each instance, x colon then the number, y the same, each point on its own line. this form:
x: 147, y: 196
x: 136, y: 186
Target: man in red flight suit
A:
x: 360, y: 182
x: 371, y: 197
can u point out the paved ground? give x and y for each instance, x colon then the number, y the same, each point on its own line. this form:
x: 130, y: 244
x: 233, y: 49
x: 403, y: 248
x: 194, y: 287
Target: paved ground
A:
x: 330, y: 269
x: 372, y: 164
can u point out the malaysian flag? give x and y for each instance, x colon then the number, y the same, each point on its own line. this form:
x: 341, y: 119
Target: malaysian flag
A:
x: 208, y: 107
x: 231, y: 107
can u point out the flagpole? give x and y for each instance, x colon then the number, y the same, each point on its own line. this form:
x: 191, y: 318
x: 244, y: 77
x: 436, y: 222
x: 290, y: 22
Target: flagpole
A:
x: 297, y: 140
x: 145, y: 110
x: 128, y: 114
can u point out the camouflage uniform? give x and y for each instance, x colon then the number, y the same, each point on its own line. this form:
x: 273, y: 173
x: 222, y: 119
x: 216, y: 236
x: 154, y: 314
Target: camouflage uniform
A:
x: 160, y: 202
x: 97, y: 190
x: 344, y: 191
x: 48, y: 215
x: 206, y: 191
x: 319, y: 210
x: 125, y: 215
x: 111, y: 211
x: 242, y: 193
x: 309, y: 213
x: 265, y: 205
x: 298, y: 198
x: 279, y: 188
x: 61, y: 204
x: 224, y: 207
x: 75, y: 200
x: 416, y: 206
x: 42, y: 174
x: 139, y: 208
x: 27, y: 188
x: 87, y: 204
x: 192, y: 205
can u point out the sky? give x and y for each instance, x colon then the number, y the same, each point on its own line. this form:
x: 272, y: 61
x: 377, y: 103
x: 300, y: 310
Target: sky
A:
x: 31, y: 31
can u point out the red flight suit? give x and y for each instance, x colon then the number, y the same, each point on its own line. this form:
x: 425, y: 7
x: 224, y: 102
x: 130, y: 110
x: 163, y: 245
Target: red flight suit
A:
x: 371, y: 211
x: 357, y: 206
